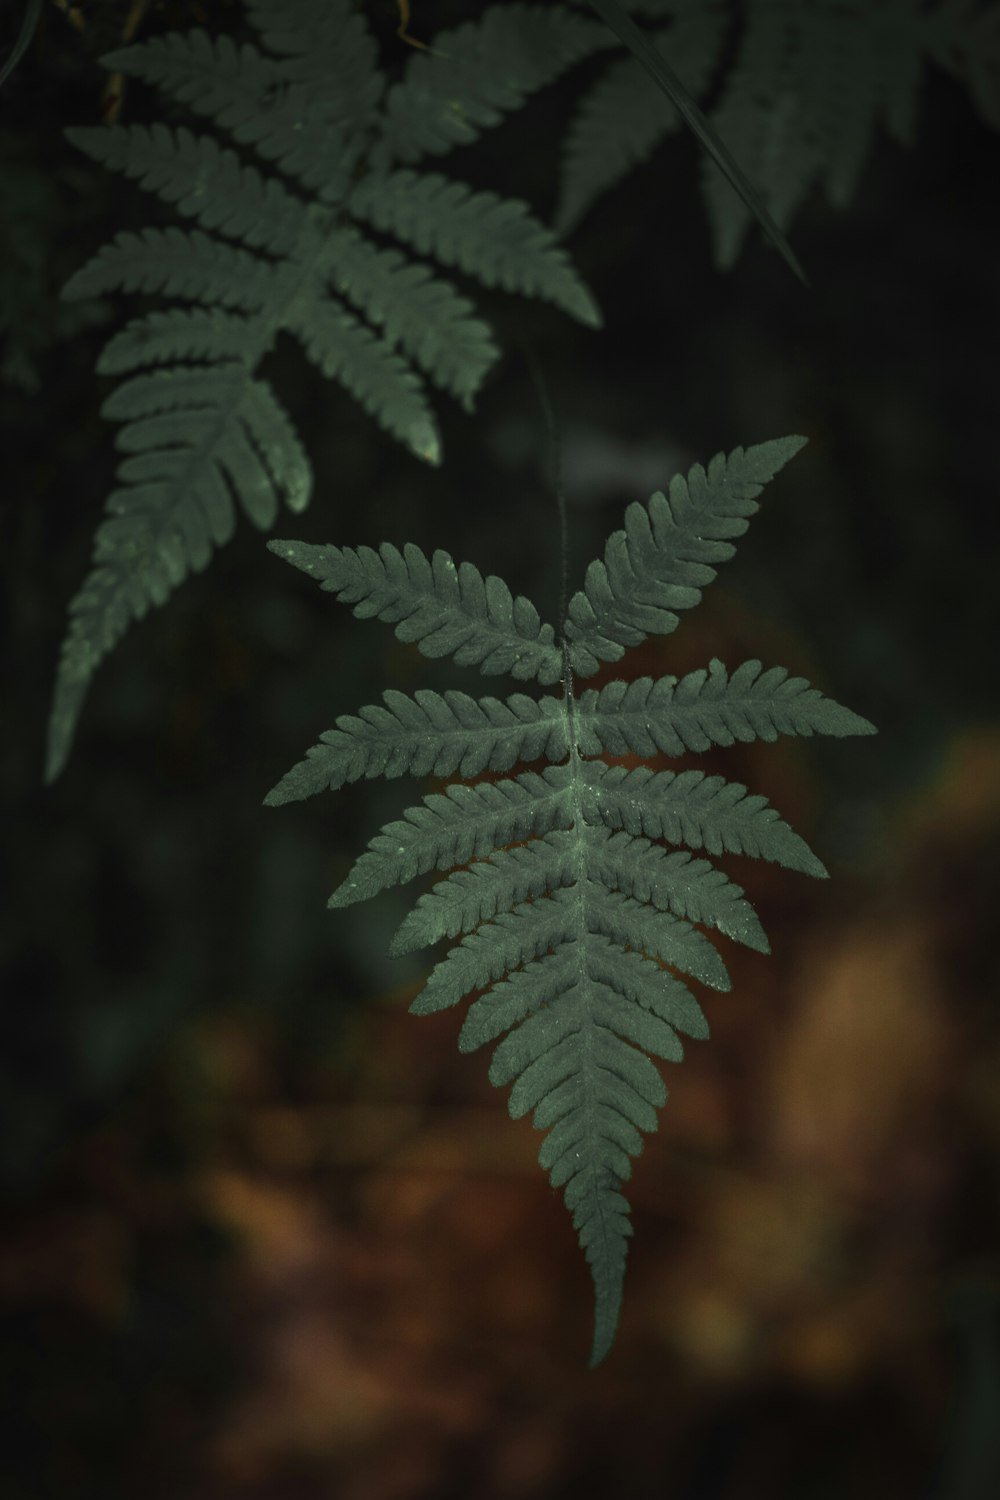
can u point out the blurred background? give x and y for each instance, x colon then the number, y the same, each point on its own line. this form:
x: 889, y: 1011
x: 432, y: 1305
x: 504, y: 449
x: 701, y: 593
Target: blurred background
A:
x: 266, y: 1236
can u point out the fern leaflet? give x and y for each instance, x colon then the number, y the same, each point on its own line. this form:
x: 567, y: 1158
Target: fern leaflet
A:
x: 575, y: 914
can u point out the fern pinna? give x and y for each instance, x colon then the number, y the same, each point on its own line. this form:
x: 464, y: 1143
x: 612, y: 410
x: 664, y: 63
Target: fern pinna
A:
x: 284, y: 244
x: 575, y: 917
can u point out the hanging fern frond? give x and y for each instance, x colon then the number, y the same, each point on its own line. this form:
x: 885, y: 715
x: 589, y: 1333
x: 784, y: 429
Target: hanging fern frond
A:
x: 282, y: 244
x: 799, y: 107
x: 801, y: 101
x: 621, y: 120
x: 574, y: 910
x: 963, y: 37
x: 815, y: 78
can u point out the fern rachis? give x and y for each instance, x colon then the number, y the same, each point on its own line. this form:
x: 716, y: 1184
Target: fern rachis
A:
x: 575, y: 917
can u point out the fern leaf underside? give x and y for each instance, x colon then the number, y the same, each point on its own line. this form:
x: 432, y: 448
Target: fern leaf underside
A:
x: 578, y: 892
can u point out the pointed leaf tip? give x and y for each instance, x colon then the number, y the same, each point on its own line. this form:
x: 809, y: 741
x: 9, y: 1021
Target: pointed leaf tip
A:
x: 424, y: 443
x: 590, y: 313
x: 606, y: 1314
x: 296, y: 553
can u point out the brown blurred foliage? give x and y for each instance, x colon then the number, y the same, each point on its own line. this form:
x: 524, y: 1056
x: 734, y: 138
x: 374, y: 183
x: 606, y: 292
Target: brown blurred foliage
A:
x: 401, y: 1296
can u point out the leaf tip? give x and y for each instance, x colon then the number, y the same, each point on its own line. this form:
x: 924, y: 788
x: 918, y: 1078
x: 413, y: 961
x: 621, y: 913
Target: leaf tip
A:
x: 282, y: 549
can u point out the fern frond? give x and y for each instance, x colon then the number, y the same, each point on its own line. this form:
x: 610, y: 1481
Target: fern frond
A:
x: 703, y: 812
x: 487, y: 887
x: 195, y: 438
x: 514, y: 937
x: 706, y: 708
x: 802, y: 102
x: 164, y: 337
x: 426, y: 316
x: 809, y: 84
x: 496, y: 240
x: 645, y: 928
x: 667, y: 553
x: 249, y: 95
x: 963, y: 37
x: 183, y: 263
x: 202, y: 180
x: 621, y: 120
x: 479, y: 71
x: 279, y: 241
x: 446, y: 610
x: 325, y: 46
x: 678, y: 883
x: 571, y: 918
x: 453, y: 828
x: 576, y: 1047
x: 345, y: 349
x: 430, y: 734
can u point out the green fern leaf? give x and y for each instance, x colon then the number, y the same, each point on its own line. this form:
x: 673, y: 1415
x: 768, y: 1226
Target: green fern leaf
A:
x: 277, y: 246
x: 326, y: 47
x: 666, y: 553
x: 479, y: 71
x: 675, y: 882
x: 706, y: 708
x: 427, y: 317
x: 574, y: 916
x: 430, y: 734
x: 802, y: 102
x: 187, y: 264
x: 167, y: 338
x: 496, y: 240
x: 451, y: 829
x: 704, y: 812
x: 447, y: 610
x: 250, y: 96
x: 621, y: 120
x: 345, y: 349
x: 477, y: 894
x: 202, y: 180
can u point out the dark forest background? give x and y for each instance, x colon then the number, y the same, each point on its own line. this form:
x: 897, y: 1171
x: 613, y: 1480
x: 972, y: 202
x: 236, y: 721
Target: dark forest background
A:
x: 266, y: 1237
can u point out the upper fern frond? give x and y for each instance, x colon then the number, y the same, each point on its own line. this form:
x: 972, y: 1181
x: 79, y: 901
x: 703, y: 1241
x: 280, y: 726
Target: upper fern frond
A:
x: 622, y: 119
x: 667, y: 553
x: 809, y: 83
x: 282, y: 243
x: 574, y: 917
